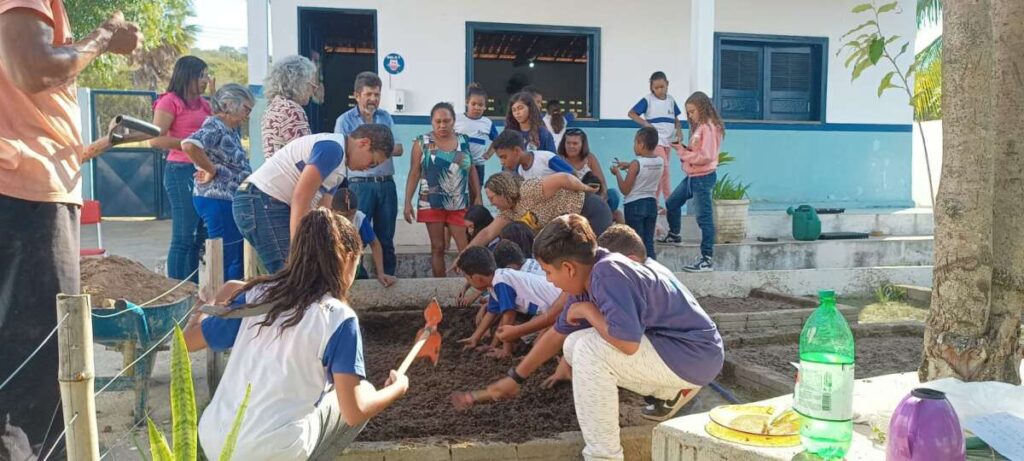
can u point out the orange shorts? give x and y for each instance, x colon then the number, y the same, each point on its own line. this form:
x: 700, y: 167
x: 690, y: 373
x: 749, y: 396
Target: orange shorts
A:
x: 434, y: 215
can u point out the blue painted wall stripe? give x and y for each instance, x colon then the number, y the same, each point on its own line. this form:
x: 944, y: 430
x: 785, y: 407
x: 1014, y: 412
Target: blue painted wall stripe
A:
x: 767, y: 126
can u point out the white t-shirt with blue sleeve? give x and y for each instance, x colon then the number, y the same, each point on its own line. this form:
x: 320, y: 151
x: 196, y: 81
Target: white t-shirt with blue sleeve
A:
x: 290, y: 370
x: 661, y: 114
x: 520, y: 291
x: 279, y: 175
x: 545, y: 163
x: 480, y: 131
x: 365, y: 227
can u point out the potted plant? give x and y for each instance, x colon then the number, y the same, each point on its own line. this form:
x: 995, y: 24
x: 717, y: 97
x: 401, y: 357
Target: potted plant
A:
x: 730, y: 205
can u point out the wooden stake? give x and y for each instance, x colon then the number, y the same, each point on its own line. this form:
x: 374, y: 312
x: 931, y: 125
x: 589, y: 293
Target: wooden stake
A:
x: 251, y: 260
x: 211, y: 278
x: 76, y: 375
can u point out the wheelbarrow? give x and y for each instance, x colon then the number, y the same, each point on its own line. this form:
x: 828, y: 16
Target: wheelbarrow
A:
x: 133, y: 331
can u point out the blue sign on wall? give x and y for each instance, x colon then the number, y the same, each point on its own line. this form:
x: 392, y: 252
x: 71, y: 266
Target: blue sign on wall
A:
x: 394, y: 63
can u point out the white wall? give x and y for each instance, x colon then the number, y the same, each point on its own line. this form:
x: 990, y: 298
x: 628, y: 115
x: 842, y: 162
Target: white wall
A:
x: 847, y: 102
x: 636, y: 38
x: 431, y: 36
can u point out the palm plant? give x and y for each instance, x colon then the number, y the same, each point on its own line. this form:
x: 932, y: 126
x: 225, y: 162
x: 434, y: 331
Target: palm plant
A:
x: 928, y: 82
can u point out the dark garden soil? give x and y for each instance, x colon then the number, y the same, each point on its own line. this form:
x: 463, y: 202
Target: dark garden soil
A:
x: 716, y: 305
x: 426, y: 410
x: 875, y: 355
x: 116, y: 277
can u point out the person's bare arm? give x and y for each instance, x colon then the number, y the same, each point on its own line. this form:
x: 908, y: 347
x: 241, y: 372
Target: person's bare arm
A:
x: 679, y: 130
x: 378, y: 261
x: 626, y: 184
x: 489, y: 233
x: 34, y: 64
x: 589, y: 312
x: 595, y: 167
x: 302, y: 197
x: 474, y: 187
x: 415, y: 164
x: 537, y: 323
x: 360, y: 401
x: 194, y: 340
x: 199, y: 157
x: 472, y: 341
x: 637, y: 118
x: 551, y: 184
x: 164, y: 120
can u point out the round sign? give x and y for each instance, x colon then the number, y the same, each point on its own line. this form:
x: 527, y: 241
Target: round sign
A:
x: 394, y: 64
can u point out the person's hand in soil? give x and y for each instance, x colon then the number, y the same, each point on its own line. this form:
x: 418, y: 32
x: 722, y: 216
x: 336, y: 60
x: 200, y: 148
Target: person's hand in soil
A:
x: 561, y: 374
x: 503, y: 389
x: 463, y: 300
x: 386, y: 280
x: 480, y: 313
x: 499, y: 353
x: 469, y: 343
x: 508, y: 333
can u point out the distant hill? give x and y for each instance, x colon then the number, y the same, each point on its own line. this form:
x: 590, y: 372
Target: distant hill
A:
x: 227, y: 65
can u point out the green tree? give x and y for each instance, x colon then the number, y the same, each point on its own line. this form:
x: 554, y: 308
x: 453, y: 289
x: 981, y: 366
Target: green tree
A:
x: 166, y: 38
x: 227, y: 65
x: 928, y: 62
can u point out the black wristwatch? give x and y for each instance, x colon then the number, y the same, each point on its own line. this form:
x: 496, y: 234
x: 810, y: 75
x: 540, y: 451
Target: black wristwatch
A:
x: 515, y: 376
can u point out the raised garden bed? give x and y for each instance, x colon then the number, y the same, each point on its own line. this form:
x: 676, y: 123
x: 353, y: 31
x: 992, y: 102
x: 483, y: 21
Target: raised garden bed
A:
x: 763, y: 361
x: 765, y: 311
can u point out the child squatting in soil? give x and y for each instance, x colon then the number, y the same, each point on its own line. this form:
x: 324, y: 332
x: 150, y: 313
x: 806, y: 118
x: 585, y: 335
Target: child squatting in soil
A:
x: 512, y: 293
x: 303, y: 358
x: 625, y: 325
x: 345, y: 202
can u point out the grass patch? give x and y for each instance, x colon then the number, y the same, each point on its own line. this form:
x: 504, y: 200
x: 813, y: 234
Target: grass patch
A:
x: 874, y: 311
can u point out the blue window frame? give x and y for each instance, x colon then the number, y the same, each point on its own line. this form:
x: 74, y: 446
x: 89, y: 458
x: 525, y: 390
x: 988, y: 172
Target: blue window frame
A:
x: 766, y: 77
x: 529, y: 49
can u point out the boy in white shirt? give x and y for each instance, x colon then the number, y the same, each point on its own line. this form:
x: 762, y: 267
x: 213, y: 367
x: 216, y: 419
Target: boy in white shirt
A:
x: 533, y: 164
x: 512, y: 292
x: 641, y: 185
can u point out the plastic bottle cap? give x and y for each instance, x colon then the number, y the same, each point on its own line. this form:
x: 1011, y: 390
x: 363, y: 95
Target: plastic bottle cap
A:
x: 929, y: 394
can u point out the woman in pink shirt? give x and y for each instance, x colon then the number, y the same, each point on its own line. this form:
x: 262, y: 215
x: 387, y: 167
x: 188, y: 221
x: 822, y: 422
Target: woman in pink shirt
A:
x: 700, y: 162
x: 180, y: 112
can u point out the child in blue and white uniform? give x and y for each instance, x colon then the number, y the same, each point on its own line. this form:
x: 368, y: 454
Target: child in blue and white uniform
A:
x: 512, y: 292
x: 346, y: 202
x: 479, y: 129
x: 534, y: 164
x: 302, y: 356
x: 659, y: 110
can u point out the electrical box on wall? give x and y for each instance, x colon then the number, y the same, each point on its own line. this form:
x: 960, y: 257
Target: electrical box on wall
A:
x: 398, y: 99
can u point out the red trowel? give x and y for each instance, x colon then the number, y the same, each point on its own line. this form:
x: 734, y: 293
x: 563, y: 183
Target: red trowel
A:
x: 428, y: 340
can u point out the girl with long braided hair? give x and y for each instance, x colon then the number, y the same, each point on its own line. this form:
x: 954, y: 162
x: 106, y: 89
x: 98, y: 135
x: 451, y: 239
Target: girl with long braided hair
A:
x: 295, y: 341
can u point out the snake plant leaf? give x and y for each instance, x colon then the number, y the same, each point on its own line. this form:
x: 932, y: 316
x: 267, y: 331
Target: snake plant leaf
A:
x: 158, y: 444
x: 183, y: 401
x: 229, y: 444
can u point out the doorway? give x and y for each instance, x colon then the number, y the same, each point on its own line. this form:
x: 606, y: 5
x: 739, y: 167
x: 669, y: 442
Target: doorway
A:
x: 343, y: 43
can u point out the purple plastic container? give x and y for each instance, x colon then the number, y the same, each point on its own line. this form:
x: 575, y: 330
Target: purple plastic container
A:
x: 924, y: 427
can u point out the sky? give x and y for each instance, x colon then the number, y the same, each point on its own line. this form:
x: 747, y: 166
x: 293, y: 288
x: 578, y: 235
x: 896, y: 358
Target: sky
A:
x: 221, y: 23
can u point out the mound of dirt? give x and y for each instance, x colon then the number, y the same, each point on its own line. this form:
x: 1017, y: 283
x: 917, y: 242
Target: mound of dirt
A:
x: 426, y: 410
x: 116, y: 277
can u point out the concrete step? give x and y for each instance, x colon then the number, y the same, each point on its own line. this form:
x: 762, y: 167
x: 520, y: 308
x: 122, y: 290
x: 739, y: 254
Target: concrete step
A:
x: 776, y: 224
x: 414, y: 261
x: 861, y: 281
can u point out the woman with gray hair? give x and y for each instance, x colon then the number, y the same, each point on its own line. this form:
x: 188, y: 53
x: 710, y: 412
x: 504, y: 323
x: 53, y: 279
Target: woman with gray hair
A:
x: 292, y: 82
x: 222, y: 165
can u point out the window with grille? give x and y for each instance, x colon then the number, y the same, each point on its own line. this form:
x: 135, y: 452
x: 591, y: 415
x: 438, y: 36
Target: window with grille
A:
x: 770, y: 78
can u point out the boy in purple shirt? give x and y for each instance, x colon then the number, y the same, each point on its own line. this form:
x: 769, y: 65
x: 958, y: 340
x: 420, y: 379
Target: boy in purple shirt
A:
x: 626, y: 325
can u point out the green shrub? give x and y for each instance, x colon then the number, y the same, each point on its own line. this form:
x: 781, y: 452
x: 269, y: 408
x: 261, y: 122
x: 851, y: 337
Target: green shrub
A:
x: 727, y: 188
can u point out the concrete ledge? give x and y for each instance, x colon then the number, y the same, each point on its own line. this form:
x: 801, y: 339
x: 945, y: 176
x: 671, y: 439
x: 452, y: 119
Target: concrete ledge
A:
x: 416, y: 293
x: 636, y: 445
x: 684, y: 439
x: 750, y: 255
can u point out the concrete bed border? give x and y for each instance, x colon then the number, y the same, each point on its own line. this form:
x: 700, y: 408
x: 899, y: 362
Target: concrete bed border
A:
x: 757, y: 376
x: 636, y: 443
x: 753, y: 322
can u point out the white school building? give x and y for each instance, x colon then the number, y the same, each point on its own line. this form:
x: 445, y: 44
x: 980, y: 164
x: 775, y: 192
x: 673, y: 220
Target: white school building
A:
x: 800, y: 130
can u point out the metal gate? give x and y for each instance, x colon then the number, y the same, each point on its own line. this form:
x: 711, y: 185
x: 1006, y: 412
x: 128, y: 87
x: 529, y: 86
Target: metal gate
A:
x: 128, y: 179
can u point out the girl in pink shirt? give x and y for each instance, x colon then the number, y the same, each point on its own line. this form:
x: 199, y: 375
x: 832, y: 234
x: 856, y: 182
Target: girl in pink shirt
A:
x: 180, y: 112
x: 700, y: 162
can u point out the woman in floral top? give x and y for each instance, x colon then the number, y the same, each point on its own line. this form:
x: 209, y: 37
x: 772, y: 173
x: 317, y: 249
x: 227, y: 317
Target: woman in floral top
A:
x: 442, y: 166
x: 291, y: 84
x: 222, y: 164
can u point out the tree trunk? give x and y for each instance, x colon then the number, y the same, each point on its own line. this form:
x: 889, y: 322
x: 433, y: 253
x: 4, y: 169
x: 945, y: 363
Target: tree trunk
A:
x: 956, y: 341
x: 1008, y: 191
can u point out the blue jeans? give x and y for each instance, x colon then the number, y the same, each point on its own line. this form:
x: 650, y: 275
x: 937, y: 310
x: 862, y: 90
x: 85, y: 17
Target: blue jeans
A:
x: 379, y: 201
x: 264, y: 221
x: 188, y: 235
x: 699, y: 189
x: 614, y: 199
x: 220, y: 223
x: 642, y: 215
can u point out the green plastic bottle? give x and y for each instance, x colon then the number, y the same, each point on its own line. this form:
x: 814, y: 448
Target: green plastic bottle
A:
x: 824, y: 388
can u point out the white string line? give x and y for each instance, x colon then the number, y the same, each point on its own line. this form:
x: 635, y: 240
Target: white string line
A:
x: 60, y: 436
x: 33, y: 354
x: 120, y: 439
